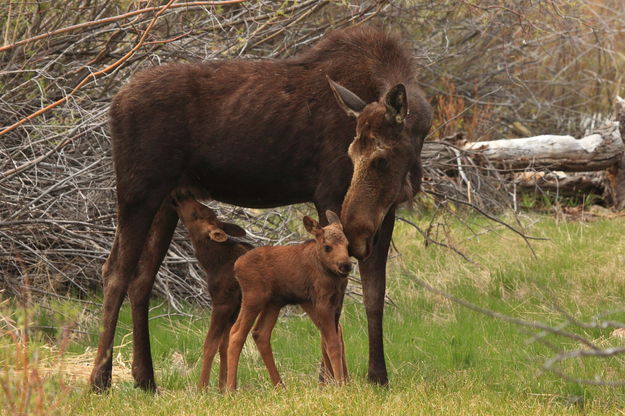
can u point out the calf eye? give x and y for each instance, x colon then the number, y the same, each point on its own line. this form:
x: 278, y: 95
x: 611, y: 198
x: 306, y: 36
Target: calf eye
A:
x: 327, y: 249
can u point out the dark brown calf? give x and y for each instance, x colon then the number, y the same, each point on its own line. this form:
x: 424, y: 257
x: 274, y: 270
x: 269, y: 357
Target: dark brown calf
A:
x: 312, y: 274
x: 217, y: 251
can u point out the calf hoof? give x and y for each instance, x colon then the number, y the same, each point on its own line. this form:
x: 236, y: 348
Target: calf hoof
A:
x: 324, y: 377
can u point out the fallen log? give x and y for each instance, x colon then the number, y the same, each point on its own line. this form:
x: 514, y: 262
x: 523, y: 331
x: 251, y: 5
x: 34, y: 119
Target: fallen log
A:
x: 560, y: 183
x: 596, y: 163
x: 598, y: 151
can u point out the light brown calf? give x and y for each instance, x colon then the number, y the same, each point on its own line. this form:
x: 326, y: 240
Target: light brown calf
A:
x: 217, y: 250
x: 312, y: 274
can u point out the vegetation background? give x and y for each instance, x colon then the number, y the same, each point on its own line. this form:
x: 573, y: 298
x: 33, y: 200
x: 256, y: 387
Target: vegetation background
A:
x: 492, y: 69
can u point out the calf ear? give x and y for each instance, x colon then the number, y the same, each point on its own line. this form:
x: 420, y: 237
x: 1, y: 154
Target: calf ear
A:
x: 233, y: 229
x: 348, y: 101
x: 333, y: 218
x: 311, y: 225
x: 218, y: 235
x: 396, y: 104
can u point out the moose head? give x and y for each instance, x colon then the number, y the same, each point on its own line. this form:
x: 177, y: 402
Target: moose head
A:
x: 382, y: 154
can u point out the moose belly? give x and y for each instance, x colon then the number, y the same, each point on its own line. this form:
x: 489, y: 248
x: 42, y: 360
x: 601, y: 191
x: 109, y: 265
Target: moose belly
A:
x: 253, y: 188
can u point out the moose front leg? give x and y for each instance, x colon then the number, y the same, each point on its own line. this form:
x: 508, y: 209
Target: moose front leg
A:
x: 373, y: 275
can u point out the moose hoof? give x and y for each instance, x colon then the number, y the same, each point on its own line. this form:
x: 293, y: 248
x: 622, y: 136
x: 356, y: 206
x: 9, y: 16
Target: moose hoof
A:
x: 100, y: 381
x: 380, y: 379
x: 148, y: 386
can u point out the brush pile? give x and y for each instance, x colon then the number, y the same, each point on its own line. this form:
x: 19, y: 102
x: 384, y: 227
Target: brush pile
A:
x: 489, y: 69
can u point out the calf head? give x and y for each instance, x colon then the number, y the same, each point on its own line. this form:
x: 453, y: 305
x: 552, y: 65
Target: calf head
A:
x: 382, y: 154
x: 201, y: 221
x: 331, y: 244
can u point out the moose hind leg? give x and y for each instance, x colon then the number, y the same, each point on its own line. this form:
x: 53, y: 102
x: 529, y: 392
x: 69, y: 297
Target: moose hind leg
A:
x: 156, y: 246
x: 134, y: 220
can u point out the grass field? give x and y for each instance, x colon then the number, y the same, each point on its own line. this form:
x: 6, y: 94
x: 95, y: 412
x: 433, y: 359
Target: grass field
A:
x: 442, y: 358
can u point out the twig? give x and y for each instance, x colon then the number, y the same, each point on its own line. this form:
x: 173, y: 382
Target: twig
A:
x: 93, y: 75
x: 111, y: 19
x: 432, y: 241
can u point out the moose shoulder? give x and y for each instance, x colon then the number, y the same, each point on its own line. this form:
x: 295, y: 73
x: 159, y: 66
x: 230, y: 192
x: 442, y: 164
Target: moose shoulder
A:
x: 263, y: 133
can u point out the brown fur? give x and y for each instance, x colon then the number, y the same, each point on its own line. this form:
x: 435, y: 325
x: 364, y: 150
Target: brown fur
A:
x: 263, y: 133
x: 216, y: 253
x: 312, y: 274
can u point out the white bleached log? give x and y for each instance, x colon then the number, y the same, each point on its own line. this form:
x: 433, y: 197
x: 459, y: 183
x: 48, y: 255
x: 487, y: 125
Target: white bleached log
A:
x: 598, y: 151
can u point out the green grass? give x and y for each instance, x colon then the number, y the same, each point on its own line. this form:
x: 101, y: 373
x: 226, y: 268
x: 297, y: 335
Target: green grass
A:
x: 442, y: 358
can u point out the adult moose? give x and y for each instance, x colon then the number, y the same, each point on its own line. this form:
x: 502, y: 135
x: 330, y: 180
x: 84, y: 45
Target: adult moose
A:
x: 264, y: 133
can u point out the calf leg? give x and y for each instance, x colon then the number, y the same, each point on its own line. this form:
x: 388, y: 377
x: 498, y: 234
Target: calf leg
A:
x: 218, y: 330
x: 139, y: 291
x: 323, y: 203
x: 238, y: 334
x: 373, y: 275
x: 343, y: 359
x: 326, y: 366
x: 223, y: 358
x: 332, y: 343
x: 262, y: 337
x: 325, y: 370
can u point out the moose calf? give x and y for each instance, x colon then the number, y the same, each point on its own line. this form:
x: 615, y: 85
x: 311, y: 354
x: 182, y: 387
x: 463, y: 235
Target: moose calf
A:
x: 217, y: 248
x: 312, y: 274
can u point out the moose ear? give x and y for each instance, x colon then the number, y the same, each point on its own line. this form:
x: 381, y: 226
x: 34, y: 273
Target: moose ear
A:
x: 311, y: 225
x: 333, y: 218
x: 348, y: 101
x: 233, y: 230
x: 396, y: 103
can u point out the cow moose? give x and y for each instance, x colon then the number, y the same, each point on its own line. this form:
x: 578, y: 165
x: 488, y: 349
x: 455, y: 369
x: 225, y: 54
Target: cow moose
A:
x: 341, y: 124
x: 312, y: 274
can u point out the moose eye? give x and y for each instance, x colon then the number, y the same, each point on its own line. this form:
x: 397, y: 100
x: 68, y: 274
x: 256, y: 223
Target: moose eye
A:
x: 327, y: 249
x: 379, y: 163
